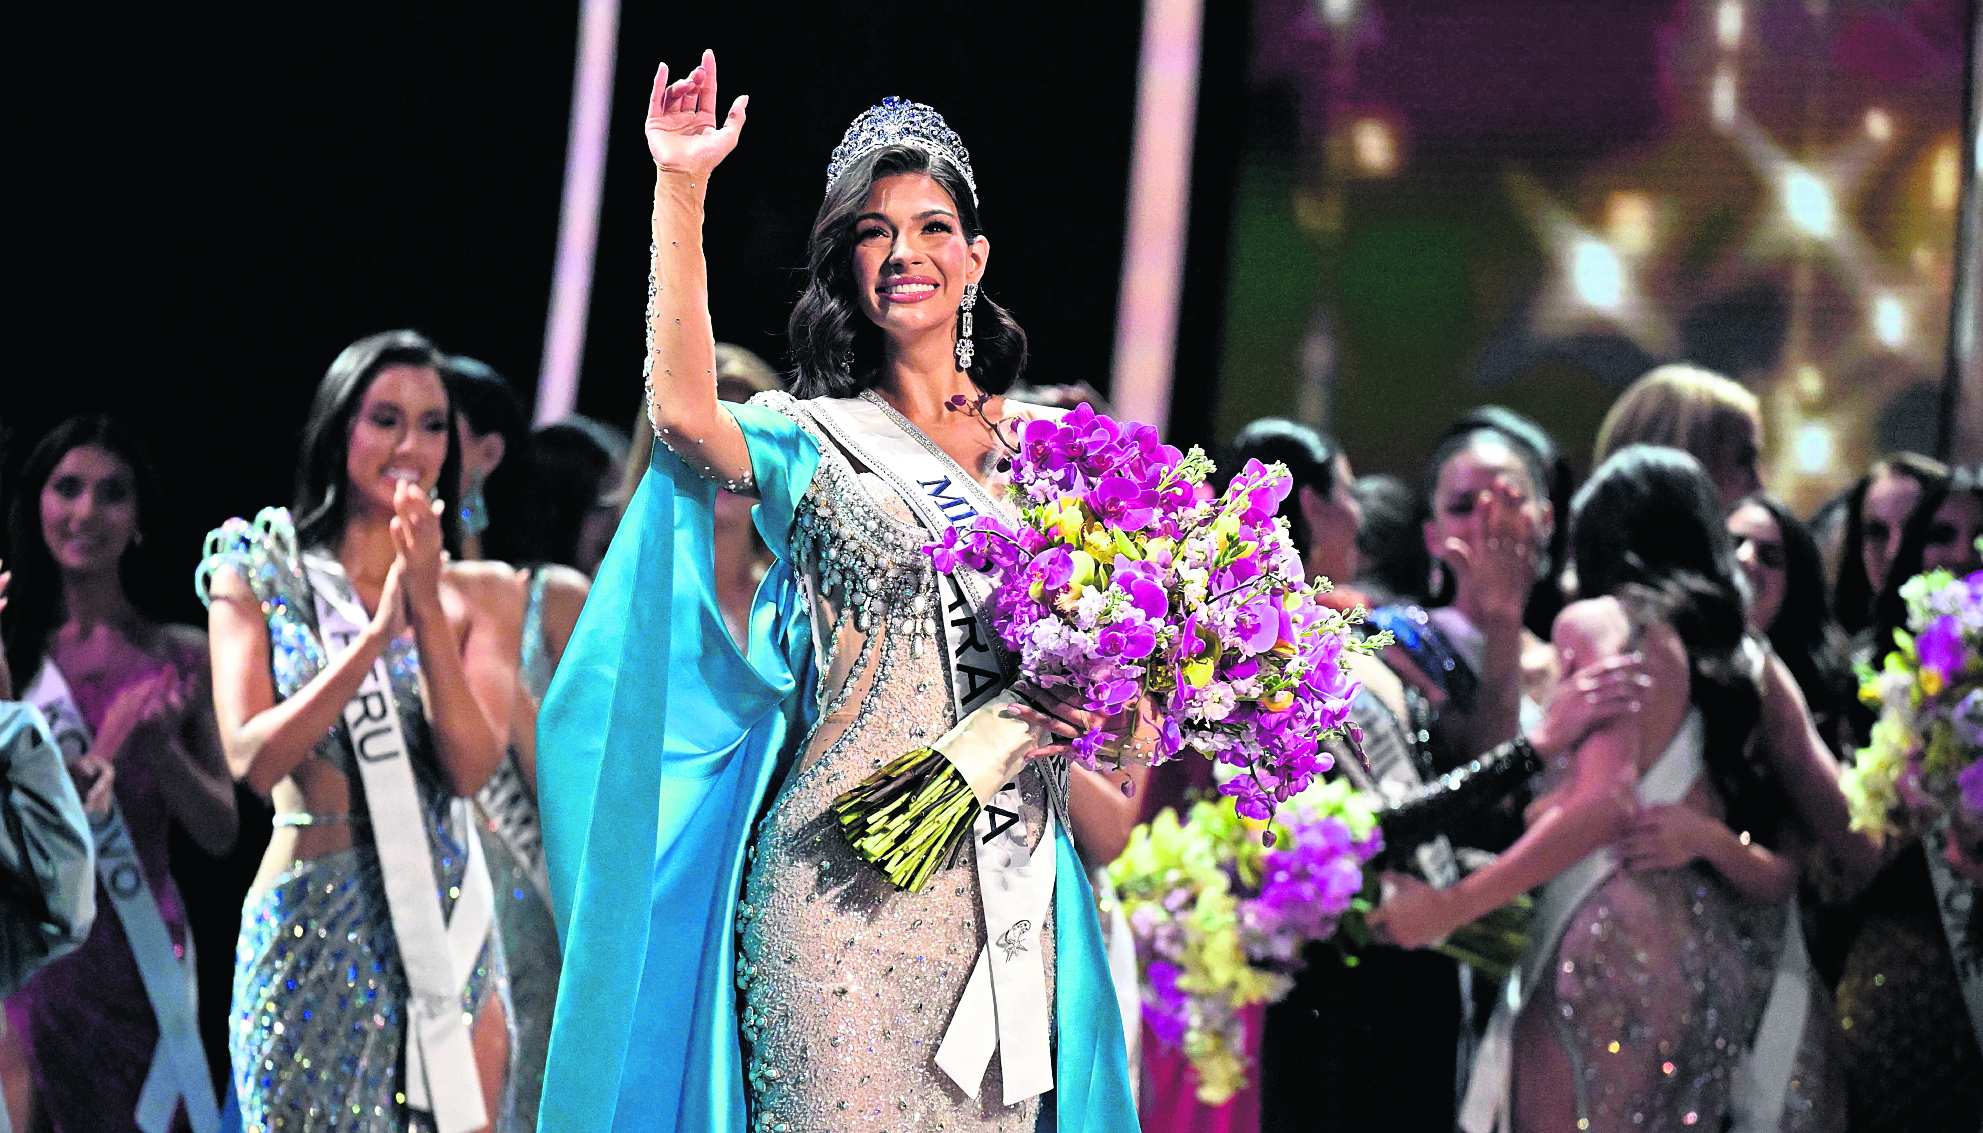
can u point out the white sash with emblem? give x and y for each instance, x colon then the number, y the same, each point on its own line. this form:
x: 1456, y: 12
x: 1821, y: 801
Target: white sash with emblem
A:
x: 179, y: 1063
x: 438, y: 952
x: 1004, y: 1007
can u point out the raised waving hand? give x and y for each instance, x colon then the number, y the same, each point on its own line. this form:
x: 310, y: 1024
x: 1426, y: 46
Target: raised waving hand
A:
x: 686, y: 144
x: 682, y: 134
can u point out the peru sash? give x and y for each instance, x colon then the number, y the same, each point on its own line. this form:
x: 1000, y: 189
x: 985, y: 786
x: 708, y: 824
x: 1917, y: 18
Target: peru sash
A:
x: 1005, y: 1001
x: 179, y: 1063
x: 437, y: 952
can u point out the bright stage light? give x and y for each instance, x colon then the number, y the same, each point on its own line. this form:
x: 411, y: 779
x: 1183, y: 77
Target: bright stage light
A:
x: 1944, y: 178
x: 1629, y: 221
x: 1375, y: 148
x: 1728, y: 23
x: 1721, y: 101
x: 1811, y: 445
x: 1597, y: 274
x: 1889, y: 320
x: 1879, y: 126
x: 1809, y: 202
x: 1337, y: 12
x: 1810, y: 383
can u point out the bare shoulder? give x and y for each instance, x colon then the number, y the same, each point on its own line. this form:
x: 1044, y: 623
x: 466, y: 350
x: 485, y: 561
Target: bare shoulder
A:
x: 489, y: 586
x: 564, y: 586
x: 1592, y: 628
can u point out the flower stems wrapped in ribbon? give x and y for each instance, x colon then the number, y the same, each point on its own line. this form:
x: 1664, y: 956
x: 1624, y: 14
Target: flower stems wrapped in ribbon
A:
x: 1125, y: 586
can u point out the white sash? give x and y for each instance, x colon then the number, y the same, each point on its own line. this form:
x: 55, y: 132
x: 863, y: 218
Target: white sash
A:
x: 1954, y: 898
x: 178, y: 1063
x: 1004, y: 1007
x: 437, y: 952
x: 1666, y: 782
x: 1762, y: 1079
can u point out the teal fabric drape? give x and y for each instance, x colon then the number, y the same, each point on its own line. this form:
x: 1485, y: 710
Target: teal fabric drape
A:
x: 657, y: 743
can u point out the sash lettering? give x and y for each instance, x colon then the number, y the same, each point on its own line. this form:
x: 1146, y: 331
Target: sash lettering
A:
x: 178, y: 1070
x: 437, y: 950
x: 954, y: 508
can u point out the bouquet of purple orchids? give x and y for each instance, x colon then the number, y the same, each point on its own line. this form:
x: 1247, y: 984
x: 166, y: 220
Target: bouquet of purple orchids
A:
x: 1126, y: 588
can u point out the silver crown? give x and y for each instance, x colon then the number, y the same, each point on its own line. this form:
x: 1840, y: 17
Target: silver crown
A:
x: 899, y: 122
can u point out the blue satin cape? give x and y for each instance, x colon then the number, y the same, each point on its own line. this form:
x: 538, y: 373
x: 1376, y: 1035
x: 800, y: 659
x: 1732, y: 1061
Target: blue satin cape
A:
x: 656, y: 746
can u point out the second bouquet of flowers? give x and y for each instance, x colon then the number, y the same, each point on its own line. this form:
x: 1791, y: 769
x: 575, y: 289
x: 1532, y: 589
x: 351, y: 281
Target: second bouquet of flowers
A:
x: 1127, y: 588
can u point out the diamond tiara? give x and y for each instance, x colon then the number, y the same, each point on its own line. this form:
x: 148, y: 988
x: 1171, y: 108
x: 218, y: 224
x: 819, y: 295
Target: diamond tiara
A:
x: 899, y: 122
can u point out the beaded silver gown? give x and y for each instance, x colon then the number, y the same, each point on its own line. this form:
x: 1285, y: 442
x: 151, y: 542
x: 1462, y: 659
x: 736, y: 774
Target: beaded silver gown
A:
x: 847, y: 984
x: 317, y: 1030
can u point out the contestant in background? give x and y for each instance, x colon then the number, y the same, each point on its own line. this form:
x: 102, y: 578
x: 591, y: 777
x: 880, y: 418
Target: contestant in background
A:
x: 319, y: 627
x: 494, y: 437
x: 1698, y: 411
x: 120, y: 689
x: 659, y: 734
x: 1910, y: 988
x: 47, y: 864
x: 1788, y: 607
x: 1349, y: 1034
x: 1647, y: 973
x: 1899, y: 488
x: 1490, y: 528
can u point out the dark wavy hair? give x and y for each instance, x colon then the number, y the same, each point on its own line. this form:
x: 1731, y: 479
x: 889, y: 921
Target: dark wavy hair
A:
x: 1648, y: 529
x: 321, y: 480
x: 1550, y: 477
x: 835, y: 350
x: 1310, y: 455
x: 1805, y: 634
x: 34, y: 599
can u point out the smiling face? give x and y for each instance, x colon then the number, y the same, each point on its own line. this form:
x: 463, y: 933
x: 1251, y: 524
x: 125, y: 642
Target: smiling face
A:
x: 1890, y: 499
x: 911, y: 257
x: 89, y: 510
x: 400, y: 432
x: 1760, y: 553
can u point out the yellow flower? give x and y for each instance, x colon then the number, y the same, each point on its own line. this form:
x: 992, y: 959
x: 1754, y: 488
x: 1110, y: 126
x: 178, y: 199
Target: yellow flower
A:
x: 1277, y: 701
x: 1930, y: 682
x: 1099, y: 542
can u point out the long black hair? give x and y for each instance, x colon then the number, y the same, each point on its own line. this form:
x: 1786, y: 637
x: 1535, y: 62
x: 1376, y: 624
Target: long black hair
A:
x: 34, y: 598
x: 1648, y: 529
x: 487, y: 403
x: 1855, y: 597
x: 1310, y: 456
x: 1550, y: 477
x: 321, y: 479
x: 1805, y: 634
x: 835, y: 350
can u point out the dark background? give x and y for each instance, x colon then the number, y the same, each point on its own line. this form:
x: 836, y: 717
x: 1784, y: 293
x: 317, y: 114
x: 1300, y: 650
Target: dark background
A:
x: 218, y: 200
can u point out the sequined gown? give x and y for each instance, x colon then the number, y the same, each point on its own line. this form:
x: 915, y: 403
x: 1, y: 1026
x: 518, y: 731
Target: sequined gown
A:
x: 847, y: 985
x: 514, y: 846
x: 318, y: 1019
x: 1656, y: 991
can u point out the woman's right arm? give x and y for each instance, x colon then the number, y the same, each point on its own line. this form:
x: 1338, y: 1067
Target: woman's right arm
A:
x: 683, y: 138
x: 1593, y: 811
x: 264, y: 740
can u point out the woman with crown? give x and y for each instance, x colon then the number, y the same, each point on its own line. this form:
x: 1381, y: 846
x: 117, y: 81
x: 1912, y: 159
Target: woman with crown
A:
x: 772, y: 980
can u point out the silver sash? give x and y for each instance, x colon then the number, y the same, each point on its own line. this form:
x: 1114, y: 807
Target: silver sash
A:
x: 437, y: 951
x: 1955, y: 900
x: 178, y: 1063
x: 1004, y: 1006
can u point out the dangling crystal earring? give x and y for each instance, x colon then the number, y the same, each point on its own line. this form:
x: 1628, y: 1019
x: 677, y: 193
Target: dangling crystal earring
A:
x: 964, y: 347
x: 1435, y: 580
x: 847, y: 363
x: 474, y: 509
